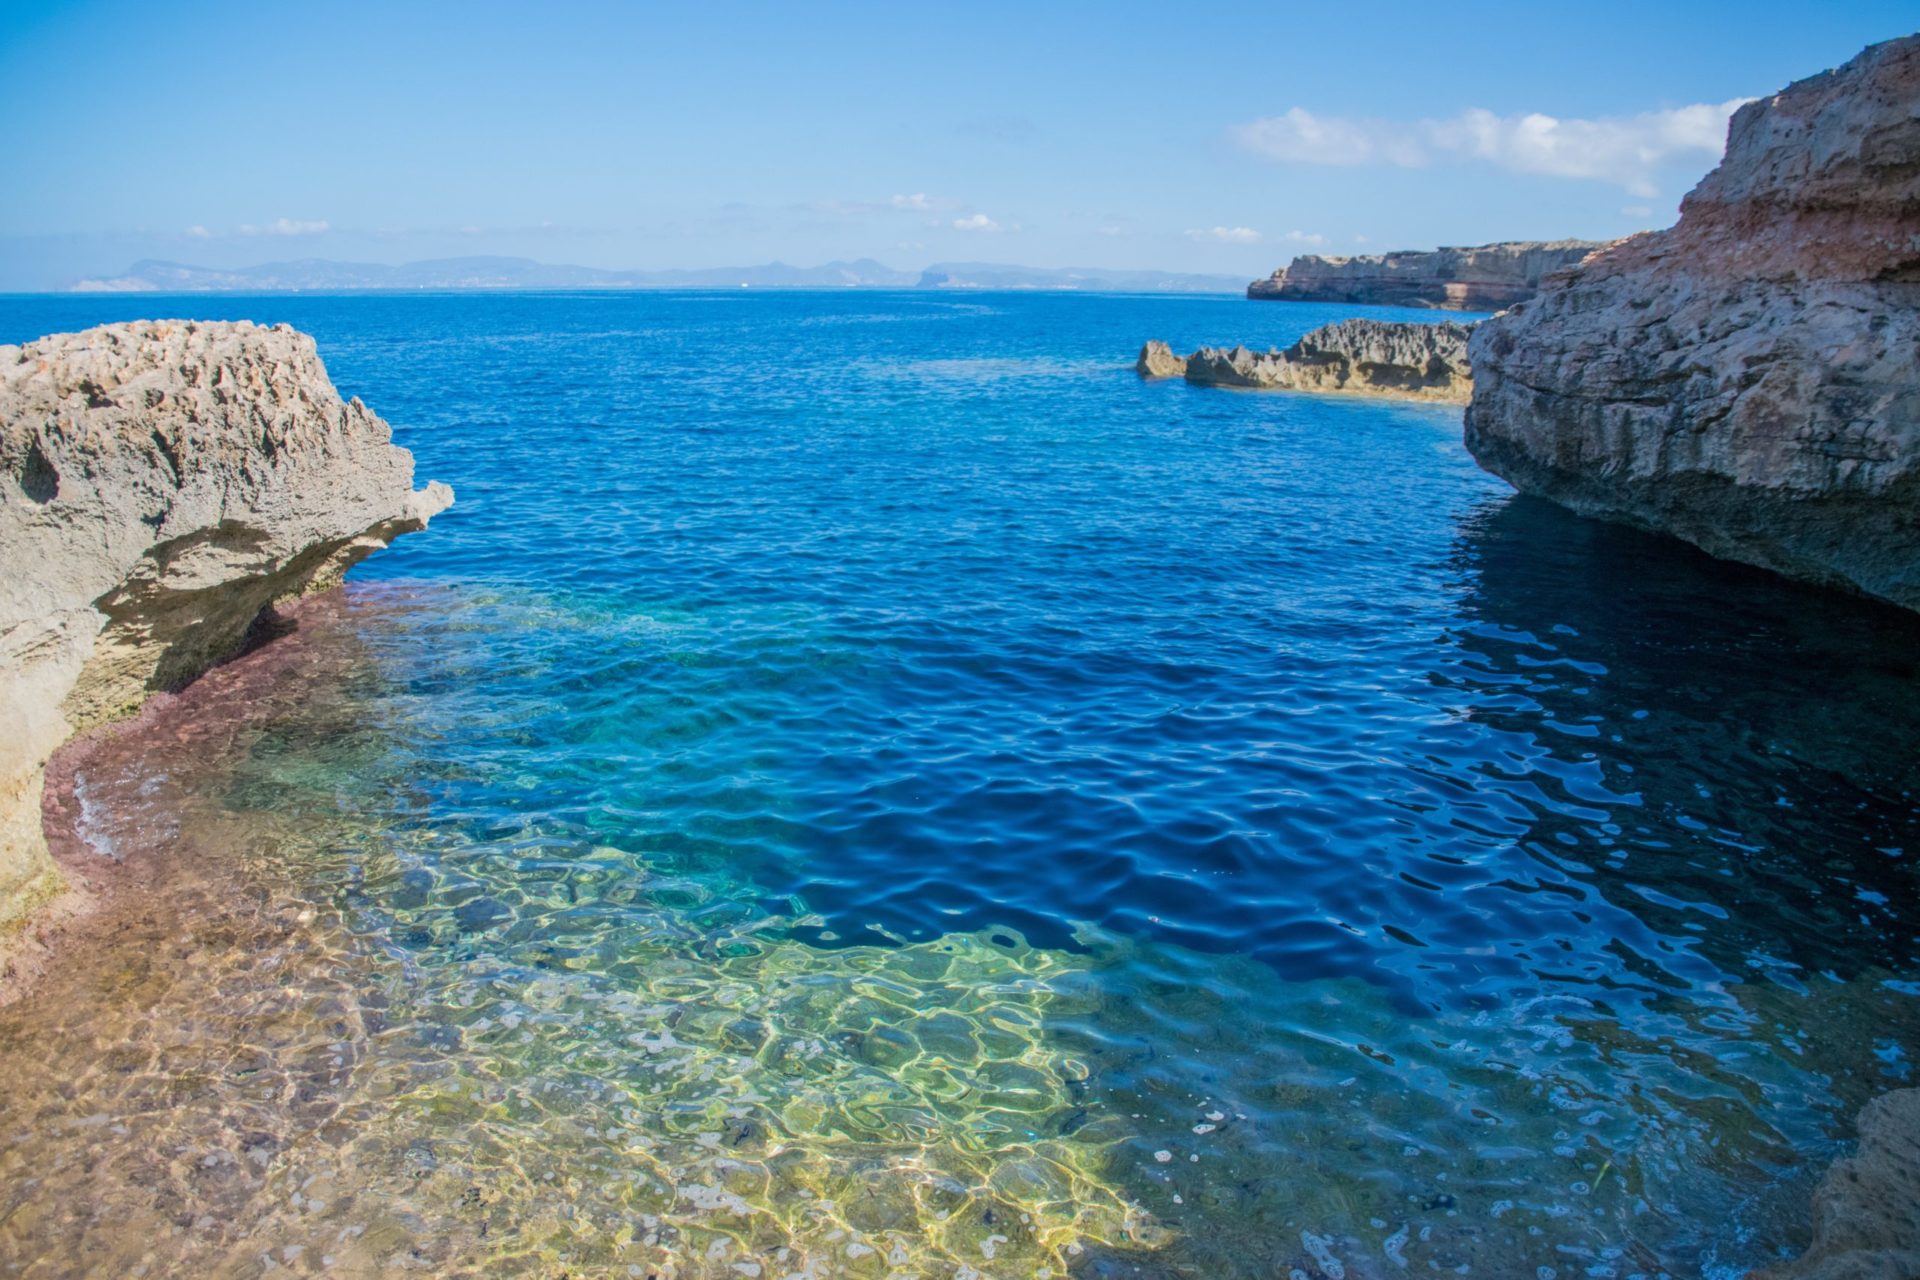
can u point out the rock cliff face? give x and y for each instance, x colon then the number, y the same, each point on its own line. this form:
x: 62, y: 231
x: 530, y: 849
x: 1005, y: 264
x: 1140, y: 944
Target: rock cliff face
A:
x: 161, y: 485
x: 1362, y: 357
x: 1485, y: 278
x: 1748, y: 380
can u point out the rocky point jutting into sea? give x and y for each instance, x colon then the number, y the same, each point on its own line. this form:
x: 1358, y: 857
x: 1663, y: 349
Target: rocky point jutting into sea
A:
x: 1358, y: 357
x: 166, y: 483
x: 1748, y: 380
x: 1483, y: 278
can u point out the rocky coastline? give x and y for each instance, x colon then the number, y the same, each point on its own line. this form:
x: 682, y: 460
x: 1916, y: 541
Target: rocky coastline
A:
x: 165, y: 485
x: 1748, y: 380
x: 1484, y: 277
x: 1353, y: 357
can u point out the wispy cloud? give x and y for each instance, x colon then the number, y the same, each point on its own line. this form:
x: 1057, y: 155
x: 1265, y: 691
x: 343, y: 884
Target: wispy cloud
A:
x: 281, y: 227
x: 975, y: 222
x: 1225, y: 235
x: 1626, y: 151
x: 916, y: 202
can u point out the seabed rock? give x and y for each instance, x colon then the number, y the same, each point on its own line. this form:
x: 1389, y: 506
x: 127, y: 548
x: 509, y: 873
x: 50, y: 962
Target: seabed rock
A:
x: 1866, y: 1212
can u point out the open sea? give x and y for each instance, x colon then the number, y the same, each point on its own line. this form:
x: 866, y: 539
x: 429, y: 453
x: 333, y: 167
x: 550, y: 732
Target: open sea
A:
x: 861, y: 784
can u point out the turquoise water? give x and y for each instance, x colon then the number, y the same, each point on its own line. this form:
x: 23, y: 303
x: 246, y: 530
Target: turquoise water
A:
x: 862, y: 784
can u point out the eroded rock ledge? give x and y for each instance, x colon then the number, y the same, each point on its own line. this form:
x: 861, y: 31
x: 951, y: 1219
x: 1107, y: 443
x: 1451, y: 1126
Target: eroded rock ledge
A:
x: 1748, y: 380
x: 1482, y: 278
x: 162, y: 484
x: 1358, y: 357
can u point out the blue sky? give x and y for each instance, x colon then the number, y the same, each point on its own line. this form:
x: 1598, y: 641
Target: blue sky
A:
x: 1216, y: 138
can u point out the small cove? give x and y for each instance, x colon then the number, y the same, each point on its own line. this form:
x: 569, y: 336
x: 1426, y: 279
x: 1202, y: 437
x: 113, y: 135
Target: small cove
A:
x: 933, y: 804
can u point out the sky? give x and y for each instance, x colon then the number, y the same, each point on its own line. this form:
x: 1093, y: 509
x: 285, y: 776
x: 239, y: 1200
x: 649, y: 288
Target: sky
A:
x: 1221, y: 139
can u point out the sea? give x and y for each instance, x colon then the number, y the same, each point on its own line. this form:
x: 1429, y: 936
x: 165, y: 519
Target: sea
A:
x: 862, y: 784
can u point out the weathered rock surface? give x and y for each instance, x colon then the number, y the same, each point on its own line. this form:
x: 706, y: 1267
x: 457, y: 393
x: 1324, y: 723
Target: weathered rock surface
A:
x: 1866, y: 1212
x: 1158, y: 361
x: 1486, y: 277
x: 161, y: 485
x: 1748, y: 380
x: 1362, y: 357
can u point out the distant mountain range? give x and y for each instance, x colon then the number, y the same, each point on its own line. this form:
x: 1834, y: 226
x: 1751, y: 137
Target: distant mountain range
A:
x: 322, y: 276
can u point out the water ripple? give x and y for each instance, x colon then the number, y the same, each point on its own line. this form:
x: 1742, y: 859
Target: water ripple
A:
x: 1135, y: 825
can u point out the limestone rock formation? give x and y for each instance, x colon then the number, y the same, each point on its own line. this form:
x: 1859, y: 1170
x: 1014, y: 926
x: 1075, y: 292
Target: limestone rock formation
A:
x: 1748, y: 380
x: 1363, y: 357
x: 161, y: 485
x: 1866, y: 1212
x: 1158, y: 361
x: 1484, y: 278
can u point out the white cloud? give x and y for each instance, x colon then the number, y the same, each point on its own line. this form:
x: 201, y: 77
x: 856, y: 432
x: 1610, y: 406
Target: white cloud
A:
x: 199, y: 232
x: 1226, y: 235
x: 1301, y: 137
x: 1636, y: 211
x: 283, y: 227
x: 975, y: 222
x: 1304, y: 237
x: 1626, y: 151
x: 918, y: 200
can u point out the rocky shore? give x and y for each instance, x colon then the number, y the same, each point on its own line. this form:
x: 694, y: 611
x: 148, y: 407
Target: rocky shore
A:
x: 1748, y: 380
x: 1486, y: 277
x: 162, y: 486
x: 1355, y: 357
x: 1866, y: 1212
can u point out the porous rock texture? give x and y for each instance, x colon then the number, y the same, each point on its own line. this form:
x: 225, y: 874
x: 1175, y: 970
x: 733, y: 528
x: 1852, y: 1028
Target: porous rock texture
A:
x: 162, y: 484
x: 1158, y: 361
x: 1866, y: 1211
x: 1482, y: 278
x: 1361, y: 357
x: 1748, y: 380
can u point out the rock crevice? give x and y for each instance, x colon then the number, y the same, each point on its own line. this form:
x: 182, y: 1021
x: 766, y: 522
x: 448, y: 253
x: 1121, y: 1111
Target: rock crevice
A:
x: 162, y: 486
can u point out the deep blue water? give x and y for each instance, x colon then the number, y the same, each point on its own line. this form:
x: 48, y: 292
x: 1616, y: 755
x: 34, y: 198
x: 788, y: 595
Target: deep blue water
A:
x: 881, y: 618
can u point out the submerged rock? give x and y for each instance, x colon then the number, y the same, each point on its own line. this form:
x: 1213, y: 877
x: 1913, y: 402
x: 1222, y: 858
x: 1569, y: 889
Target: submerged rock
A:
x: 1483, y: 278
x: 1748, y: 380
x: 1361, y: 357
x: 1866, y: 1212
x: 162, y: 484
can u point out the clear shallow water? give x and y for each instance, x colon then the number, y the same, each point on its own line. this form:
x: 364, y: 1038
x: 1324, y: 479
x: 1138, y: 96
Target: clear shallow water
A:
x: 857, y: 780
